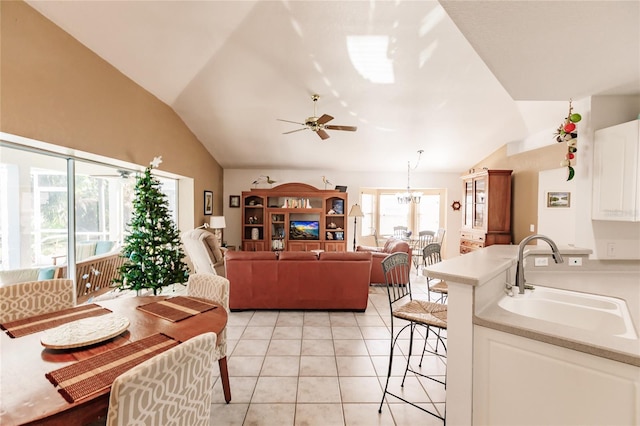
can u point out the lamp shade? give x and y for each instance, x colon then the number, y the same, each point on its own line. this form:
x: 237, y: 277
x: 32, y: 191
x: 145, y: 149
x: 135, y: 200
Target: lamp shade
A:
x: 356, y: 211
x: 217, y: 222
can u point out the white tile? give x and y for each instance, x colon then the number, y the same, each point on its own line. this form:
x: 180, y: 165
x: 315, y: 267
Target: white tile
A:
x: 242, y: 389
x: 350, y: 347
x: 290, y: 318
x: 275, y: 390
x: 381, y: 332
x: 270, y: 415
x: 253, y: 332
x: 287, y: 332
x: 248, y: 366
x: 317, y: 318
x: 317, y: 347
x: 378, y: 347
x: 340, y: 332
x: 251, y: 347
x: 367, y: 415
x: 355, y: 366
x: 319, y: 414
x: 284, y: 347
x: 360, y: 389
x: 280, y: 366
x: 318, y: 366
x: 318, y: 390
x: 316, y: 332
x: 228, y: 414
x: 264, y: 318
x: 406, y: 414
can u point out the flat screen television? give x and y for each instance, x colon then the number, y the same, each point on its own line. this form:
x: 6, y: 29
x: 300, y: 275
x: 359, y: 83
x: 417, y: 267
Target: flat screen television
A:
x: 304, y: 230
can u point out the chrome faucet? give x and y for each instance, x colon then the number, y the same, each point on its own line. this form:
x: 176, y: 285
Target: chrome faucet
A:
x: 557, y: 257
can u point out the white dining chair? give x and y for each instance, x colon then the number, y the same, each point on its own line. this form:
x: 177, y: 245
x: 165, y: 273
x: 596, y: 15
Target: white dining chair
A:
x: 172, y: 388
x: 215, y: 288
x: 23, y: 300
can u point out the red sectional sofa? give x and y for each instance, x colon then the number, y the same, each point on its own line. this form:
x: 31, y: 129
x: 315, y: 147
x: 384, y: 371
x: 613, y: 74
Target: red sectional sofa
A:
x: 392, y: 245
x: 298, y: 280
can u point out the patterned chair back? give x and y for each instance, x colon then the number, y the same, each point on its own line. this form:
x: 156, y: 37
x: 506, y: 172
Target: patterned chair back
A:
x: 173, y: 387
x: 31, y: 298
x: 216, y: 289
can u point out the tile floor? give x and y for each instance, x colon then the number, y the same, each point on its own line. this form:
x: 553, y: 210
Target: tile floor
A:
x: 324, y: 368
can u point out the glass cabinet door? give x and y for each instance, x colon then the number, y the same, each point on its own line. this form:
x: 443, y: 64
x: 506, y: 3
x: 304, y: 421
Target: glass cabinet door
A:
x: 479, y: 198
x: 468, y: 203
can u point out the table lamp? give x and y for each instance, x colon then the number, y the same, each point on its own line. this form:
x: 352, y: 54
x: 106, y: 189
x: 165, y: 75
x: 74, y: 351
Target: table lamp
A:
x: 217, y: 223
x: 355, y: 213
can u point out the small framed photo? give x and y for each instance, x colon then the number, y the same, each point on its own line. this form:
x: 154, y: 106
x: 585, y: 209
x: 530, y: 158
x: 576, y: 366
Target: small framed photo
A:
x: 234, y: 201
x: 208, y: 202
x: 558, y: 199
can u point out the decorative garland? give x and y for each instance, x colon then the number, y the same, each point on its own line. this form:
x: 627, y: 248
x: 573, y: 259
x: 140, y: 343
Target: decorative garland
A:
x: 568, y: 132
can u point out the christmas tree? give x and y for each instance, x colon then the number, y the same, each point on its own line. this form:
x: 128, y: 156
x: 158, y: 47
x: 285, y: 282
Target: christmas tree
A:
x: 152, y: 248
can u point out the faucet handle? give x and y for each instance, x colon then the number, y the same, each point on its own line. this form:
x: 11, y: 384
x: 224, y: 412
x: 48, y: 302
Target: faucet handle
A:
x: 529, y: 286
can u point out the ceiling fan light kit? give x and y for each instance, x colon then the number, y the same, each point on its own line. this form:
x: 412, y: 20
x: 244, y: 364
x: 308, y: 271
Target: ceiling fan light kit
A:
x: 318, y: 124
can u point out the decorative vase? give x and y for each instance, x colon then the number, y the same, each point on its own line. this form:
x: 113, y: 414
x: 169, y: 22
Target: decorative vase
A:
x: 255, y: 234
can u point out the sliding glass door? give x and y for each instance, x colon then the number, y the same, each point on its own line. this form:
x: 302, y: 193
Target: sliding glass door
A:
x: 35, y: 225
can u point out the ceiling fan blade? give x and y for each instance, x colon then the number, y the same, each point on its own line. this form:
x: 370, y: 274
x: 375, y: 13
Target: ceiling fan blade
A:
x: 293, y: 131
x: 323, y: 135
x: 347, y: 128
x: 289, y: 121
x: 324, y: 119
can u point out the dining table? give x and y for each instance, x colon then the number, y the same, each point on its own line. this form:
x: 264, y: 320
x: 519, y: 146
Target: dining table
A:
x: 28, y: 397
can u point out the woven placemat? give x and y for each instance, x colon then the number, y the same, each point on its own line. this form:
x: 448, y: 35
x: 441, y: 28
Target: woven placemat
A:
x: 177, y: 308
x: 22, y: 327
x: 86, y: 377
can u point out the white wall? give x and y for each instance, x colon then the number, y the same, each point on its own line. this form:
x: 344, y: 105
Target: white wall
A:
x: 238, y: 180
x: 575, y: 226
x: 557, y: 222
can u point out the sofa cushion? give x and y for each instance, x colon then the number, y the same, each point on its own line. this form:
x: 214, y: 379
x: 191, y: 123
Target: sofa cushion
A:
x: 85, y: 249
x: 103, y: 247
x: 47, y: 273
x: 297, y: 255
x: 336, y: 255
x: 250, y: 255
x: 212, y: 245
x: 12, y: 276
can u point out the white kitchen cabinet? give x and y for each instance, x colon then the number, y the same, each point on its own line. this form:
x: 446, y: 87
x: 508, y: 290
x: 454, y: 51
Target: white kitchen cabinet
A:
x: 519, y: 381
x: 616, y: 173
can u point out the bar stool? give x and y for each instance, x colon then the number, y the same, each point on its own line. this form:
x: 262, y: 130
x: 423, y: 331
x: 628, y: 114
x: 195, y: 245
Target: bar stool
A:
x: 423, y: 313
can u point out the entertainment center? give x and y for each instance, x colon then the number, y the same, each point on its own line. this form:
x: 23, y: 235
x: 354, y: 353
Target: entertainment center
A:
x: 294, y: 217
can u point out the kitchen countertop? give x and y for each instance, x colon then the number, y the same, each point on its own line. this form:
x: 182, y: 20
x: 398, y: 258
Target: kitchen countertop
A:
x: 615, y: 279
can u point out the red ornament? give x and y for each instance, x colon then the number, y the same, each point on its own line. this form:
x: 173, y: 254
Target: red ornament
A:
x: 569, y: 127
x: 570, y: 156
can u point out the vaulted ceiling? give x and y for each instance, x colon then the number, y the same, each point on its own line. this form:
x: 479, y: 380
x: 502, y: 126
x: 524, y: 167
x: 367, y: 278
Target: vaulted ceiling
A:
x: 458, y: 79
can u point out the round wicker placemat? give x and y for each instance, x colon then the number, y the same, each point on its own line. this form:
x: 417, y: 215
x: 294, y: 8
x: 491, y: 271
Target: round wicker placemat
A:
x: 84, y: 332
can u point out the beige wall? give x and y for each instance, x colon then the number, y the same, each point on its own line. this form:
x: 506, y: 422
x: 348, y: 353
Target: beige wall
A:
x: 524, y: 197
x: 54, y: 89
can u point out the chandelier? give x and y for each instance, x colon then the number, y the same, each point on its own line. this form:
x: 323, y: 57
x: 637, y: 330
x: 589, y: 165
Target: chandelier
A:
x: 409, y: 196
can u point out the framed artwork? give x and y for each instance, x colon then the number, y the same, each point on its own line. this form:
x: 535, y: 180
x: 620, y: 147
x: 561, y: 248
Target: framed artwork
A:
x: 208, y: 202
x: 234, y: 201
x: 559, y: 199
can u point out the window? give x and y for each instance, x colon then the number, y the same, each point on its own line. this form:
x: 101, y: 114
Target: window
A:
x: 34, y: 214
x: 382, y: 211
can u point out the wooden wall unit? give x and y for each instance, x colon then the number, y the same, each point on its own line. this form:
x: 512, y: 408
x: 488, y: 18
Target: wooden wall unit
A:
x: 486, y: 209
x: 267, y: 215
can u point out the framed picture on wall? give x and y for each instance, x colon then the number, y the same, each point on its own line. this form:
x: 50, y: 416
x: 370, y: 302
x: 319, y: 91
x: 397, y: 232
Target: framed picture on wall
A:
x: 558, y: 199
x: 234, y: 201
x: 208, y: 202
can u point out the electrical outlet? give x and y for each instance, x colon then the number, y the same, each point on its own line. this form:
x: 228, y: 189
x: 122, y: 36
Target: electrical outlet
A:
x: 541, y: 261
x: 575, y: 261
x: 532, y: 228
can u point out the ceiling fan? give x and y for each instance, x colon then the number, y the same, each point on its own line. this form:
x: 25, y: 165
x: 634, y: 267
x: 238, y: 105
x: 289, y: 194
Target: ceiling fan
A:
x: 319, y: 125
